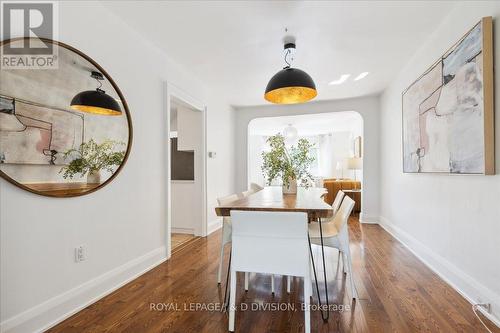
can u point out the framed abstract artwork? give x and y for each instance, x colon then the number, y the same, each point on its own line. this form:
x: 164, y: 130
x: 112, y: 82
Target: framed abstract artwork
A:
x: 448, y: 112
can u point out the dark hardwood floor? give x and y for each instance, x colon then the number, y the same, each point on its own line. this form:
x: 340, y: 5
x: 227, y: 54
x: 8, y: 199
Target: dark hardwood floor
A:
x: 397, y: 293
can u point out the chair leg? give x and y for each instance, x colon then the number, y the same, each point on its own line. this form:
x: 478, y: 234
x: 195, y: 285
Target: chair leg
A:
x: 246, y: 281
x: 347, y: 256
x: 311, y: 284
x: 288, y: 278
x: 272, y: 284
x: 307, y: 314
x: 308, y: 287
x: 232, y: 300
x: 221, y: 260
x: 341, y: 257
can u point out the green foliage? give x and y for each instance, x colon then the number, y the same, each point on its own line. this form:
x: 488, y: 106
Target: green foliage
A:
x: 286, y: 163
x: 91, y: 156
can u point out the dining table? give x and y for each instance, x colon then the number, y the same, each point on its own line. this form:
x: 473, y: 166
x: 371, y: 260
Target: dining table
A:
x: 306, y: 200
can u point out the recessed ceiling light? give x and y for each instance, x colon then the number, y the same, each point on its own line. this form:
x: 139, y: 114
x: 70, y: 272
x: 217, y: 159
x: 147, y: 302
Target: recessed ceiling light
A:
x: 361, y: 76
x: 342, y: 79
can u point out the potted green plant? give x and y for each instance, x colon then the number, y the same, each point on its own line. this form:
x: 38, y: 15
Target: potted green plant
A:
x: 289, y: 164
x: 92, y: 157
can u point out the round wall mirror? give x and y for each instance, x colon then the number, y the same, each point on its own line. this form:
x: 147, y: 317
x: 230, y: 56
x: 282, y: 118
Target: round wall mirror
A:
x: 65, y: 128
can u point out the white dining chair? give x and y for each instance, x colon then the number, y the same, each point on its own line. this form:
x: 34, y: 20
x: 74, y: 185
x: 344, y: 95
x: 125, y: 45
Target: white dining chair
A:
x: 337, y: 201
x: 255, y: 187
x: 270, y: 243
x: 242, y: 195
x: 226, y: 231
x: 245, y: 194
x: 336, y: 235
x: 319, y: 182
x: 336, y: 205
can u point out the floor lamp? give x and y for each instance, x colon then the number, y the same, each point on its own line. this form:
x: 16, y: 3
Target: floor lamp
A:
x: 340, y: 171
x: 355, y: 163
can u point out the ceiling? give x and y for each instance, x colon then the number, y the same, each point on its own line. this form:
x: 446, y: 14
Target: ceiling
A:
x: 308, y: 125
x: 236, y: 46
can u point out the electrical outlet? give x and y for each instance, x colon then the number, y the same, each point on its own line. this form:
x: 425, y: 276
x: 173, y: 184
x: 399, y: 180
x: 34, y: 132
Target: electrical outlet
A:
x: 79, y: 254
x: 483, y: 305
x: 486, y: 306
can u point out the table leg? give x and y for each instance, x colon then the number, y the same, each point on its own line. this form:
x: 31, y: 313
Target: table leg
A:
x: 227, y: 282
x: 327, y: 316
x: 324, y: 272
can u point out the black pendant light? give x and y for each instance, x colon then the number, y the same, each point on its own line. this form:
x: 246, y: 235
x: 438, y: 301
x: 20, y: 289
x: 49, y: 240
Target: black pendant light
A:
x: 290, y: 85
x: 96, y: 101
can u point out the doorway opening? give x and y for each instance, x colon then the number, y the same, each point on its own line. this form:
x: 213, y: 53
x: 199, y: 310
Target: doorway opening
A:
x: 337, y: 139
x: 186, y: 164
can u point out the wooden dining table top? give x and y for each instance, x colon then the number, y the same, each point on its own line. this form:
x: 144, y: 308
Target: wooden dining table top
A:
x: 272, y: 199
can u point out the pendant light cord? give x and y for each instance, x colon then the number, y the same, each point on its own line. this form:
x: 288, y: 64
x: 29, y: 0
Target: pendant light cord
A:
x: 100, y: 83
x: 286, y: 58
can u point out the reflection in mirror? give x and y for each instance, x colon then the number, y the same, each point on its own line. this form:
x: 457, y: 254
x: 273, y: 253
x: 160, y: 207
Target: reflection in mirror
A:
x: 64, y: 131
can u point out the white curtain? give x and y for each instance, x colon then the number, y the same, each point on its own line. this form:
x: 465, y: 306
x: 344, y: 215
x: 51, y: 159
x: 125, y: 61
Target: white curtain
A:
x: 329, y: 150
x: 334, y: 149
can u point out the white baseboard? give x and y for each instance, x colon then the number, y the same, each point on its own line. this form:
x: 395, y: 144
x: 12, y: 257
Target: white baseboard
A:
x: 363, y: 218
x: 472, y: 290
x: 58, y: 308
x: 189, y: 231
x: 214, y: 226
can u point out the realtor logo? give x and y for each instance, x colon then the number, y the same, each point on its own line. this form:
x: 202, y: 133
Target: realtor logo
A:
x: 25, y: 24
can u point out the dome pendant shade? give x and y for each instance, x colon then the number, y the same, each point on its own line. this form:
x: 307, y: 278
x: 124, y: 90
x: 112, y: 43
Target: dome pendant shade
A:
x: 290, y: 132
x: 290, y: 86
x: 96, y: 102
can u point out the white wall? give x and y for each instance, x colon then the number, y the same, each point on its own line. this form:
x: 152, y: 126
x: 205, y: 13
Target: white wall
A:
x: 367, y: 107
x: 256, y: 145
x: 452, y: 222
x: 123, y: 224
x: 187, y: 195
x: 221, y: 169
x: 185, y: 217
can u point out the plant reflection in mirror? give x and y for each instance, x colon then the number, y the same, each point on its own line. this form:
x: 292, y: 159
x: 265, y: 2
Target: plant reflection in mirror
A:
x: 93, y: 157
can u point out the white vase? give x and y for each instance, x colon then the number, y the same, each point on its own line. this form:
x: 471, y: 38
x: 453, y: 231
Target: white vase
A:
x: 94, y: 177
x: 291, y: 188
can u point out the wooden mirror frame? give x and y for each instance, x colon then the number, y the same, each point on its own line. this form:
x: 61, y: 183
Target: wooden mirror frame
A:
x: 125, y: 107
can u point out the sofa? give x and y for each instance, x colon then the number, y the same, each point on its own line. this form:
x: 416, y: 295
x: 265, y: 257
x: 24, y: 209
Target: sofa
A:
x: 334, y: 185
